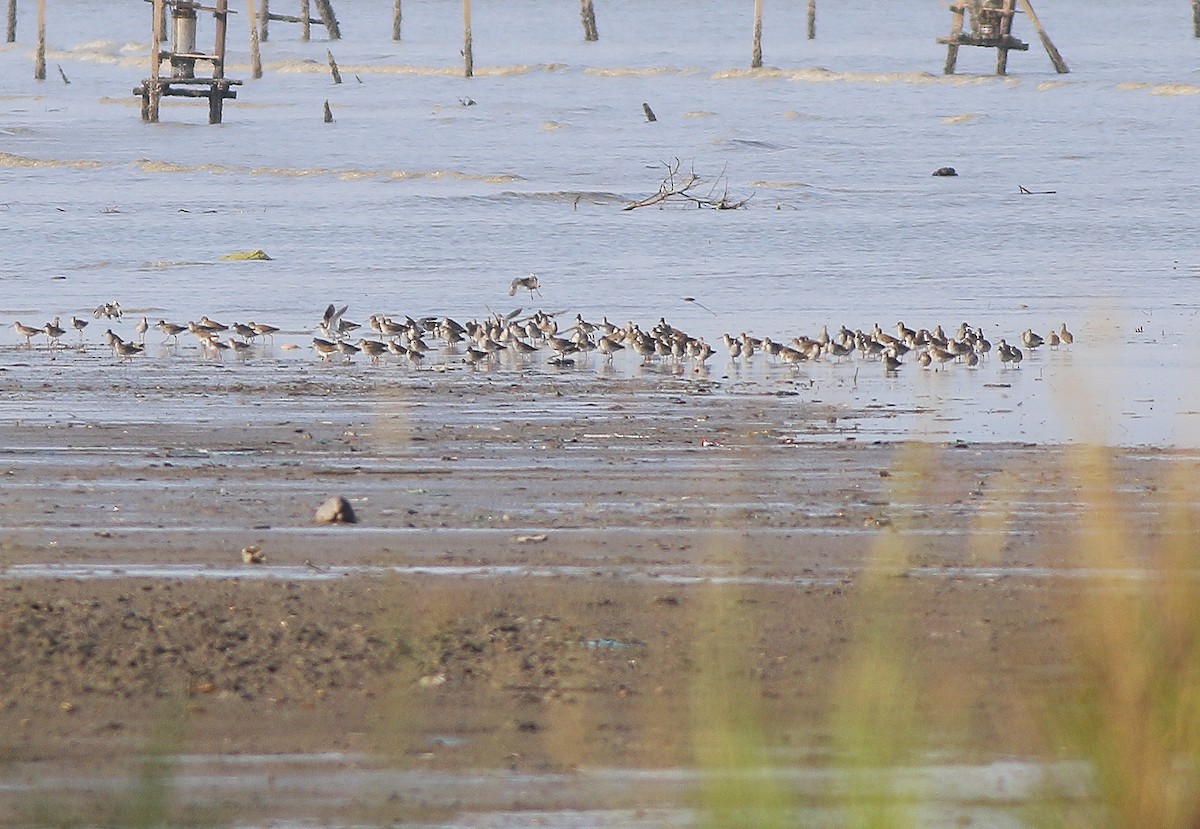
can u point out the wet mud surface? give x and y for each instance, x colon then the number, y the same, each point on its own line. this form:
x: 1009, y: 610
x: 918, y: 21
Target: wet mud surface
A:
x: 538, y: 582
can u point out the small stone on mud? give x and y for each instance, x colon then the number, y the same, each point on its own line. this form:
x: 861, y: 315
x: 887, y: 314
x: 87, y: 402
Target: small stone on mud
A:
x: 945, y: 171
x: 253, y: 555
x: 336, y: 510
x: 432, y: 680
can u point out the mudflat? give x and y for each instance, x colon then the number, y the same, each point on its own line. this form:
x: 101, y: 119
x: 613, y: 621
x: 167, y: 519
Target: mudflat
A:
x: 546, y: 575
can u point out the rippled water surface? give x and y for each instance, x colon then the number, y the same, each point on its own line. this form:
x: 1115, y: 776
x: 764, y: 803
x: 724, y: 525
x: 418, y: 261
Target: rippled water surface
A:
x: 411, y: 202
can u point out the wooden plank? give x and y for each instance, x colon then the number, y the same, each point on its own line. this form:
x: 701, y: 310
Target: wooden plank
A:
x: 188, y: 56
x: 291, y: 18
x: 165, y: 82
x: 197, y: 93
x: 972, y: 40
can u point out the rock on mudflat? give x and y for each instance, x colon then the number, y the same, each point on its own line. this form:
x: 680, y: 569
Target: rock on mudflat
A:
x: 336, y: 510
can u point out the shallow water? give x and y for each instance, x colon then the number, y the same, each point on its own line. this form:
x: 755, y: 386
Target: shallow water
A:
x: 412, y: 203
x: 939, y: 793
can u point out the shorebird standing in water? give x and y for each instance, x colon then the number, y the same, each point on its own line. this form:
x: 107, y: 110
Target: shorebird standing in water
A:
x: 141, y: 328
x: 529, y: 283
x: 263, y: 330
x: 1066, y: 336
x: 126, y: 350
x: 26, y: 331
x: 79, y: 325
x: 171, y: 329
x: 53, y: 331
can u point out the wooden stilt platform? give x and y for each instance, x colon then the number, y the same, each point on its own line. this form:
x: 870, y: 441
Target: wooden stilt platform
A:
x: 183, y: 56
x: 991, y: 27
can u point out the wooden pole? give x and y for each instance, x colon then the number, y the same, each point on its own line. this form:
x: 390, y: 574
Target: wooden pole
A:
x: 333, y: 67
x: 1195, y: 20
x: 1060, y: 65
x: 468, y: 57
x: 756, y: 54
x: 397, y: 15
x: 264, y: 15
x: 216, y: 96
x: 812, y: 19
x: 956, y: 27
x: 325, y: 9
x: 255, y: 52
x: 220, y: 32
x: 305, y: 23
x: 150, y: 95
x: 39, y: 64
x: 588, y: 12
x: 12, y: 21
x: 1006, y: 20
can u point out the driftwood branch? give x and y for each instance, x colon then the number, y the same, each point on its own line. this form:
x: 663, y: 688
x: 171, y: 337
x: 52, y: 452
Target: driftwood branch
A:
x: 678, y: 186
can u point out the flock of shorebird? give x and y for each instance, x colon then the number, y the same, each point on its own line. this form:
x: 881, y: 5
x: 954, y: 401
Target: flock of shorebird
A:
x: 496, y: 337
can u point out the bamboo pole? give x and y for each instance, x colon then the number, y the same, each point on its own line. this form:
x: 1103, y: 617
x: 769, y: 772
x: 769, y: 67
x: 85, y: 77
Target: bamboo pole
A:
x: 255, y: 52
x: 588, y: 12
x: 468, y: 57
x: 812, y: 19
x: 39, y: 64
x: 264, y: 15
x: 397, y: 15
x: 756, y: 54
x: 12, y: 21
x: 1060, y: 65
x: 305, y: 23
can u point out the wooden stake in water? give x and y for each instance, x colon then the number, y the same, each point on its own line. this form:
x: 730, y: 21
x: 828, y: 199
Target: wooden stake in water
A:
x: 264, y: 16
x: 1195, y: 20
x: 325, y: 9
x: 756, y: 55
x: 255, y: 53
x: 1007, y: 12
x: 588, y: 13
x: 812, y: 19
x: 152, y: 96
x: 12, y: 21
x: 305, y: 21
x: 328, y: 114
x: 396, y: 15
x: 39, y: 64
x: 468, y: 56
x: 333, y: 69
x: 1060, y: 65
x: 216, y: 93
x: 956, y: 27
